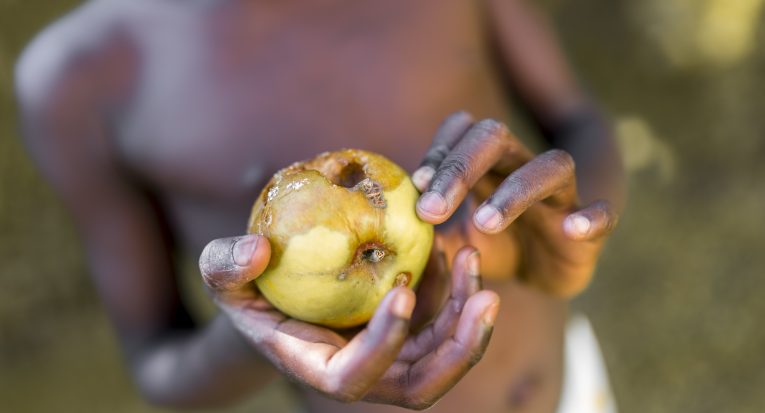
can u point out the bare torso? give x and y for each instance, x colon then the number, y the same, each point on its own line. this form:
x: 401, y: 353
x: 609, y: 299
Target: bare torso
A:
x: 230, y: 93
x: 224, y: 93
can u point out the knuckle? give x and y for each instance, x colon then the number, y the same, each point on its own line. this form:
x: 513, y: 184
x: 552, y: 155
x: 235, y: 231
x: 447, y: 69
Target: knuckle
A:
x: 492, y: 128
x: 209, y: 275
x: 436, y: 154
x: 494, y: 131
x: 211, y: 282
x: 517, y: 189
x: 218, y: 282
x: 339, y: 390
x: 458, y: 165
x: 605, y: 207
x: 562, y: 159
x: 609, y: 217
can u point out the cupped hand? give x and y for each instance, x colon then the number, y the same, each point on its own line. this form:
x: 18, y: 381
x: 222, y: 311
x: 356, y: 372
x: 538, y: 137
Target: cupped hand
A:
x: 555, y: 240
x: 383, y: 362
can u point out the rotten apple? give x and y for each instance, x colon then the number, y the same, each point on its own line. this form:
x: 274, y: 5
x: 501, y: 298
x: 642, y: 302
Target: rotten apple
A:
x: 343, y: 232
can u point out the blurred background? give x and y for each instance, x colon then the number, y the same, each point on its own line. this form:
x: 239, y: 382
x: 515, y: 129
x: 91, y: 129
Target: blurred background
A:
x: 678, y: 297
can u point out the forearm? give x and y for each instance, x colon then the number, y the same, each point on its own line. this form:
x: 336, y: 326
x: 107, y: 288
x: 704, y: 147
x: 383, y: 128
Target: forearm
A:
x: 539, y: 73
x: 209, y: 367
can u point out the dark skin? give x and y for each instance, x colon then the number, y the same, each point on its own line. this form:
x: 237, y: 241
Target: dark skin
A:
x: 158, y: 123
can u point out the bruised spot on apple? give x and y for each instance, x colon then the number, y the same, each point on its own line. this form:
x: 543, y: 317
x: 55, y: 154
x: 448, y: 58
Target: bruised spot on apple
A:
x: 343, y: 232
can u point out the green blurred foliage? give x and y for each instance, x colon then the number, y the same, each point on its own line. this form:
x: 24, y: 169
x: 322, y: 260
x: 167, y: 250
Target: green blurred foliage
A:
x: 678, y: 296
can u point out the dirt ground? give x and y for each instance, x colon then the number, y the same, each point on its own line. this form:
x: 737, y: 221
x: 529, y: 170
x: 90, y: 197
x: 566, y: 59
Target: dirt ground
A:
x: 678, y: 297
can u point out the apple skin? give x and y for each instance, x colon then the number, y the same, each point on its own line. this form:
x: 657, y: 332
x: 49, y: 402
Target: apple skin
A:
x: 343, y: 232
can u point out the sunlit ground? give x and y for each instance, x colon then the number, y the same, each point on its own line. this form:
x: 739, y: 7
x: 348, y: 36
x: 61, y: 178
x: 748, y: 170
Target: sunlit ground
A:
x: 677, y: 302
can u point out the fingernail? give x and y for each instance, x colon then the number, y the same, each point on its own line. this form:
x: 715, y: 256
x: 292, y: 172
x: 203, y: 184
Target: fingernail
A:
x: 474, y: 264
x: 402, y: 306
x: 421, y: 177
x: 488, y: 217
x: 577, y: 224
x: 243, y: 249
x: 432, y: 203
x: 490, y: 314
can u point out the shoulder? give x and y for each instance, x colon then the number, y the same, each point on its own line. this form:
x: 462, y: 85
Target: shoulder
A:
x: 84, y: 56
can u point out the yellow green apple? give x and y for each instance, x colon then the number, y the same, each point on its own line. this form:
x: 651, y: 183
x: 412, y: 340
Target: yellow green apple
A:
x: 343, y: 232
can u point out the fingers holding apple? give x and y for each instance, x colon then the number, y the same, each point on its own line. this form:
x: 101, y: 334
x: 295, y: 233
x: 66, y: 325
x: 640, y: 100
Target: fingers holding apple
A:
x: 465, y: 281
x: 432, y: 361
x: 433, y: 288
x: 431, y: 377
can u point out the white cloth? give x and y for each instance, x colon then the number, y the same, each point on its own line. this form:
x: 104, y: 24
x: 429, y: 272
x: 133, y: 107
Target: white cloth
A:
x: 586, y: 387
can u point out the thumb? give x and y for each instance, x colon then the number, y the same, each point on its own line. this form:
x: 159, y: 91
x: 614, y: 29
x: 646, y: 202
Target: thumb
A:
x: 228, y: 264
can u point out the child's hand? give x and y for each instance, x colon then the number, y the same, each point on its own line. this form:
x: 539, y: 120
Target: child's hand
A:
x: 383, y: 362
x: 556, y: 243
